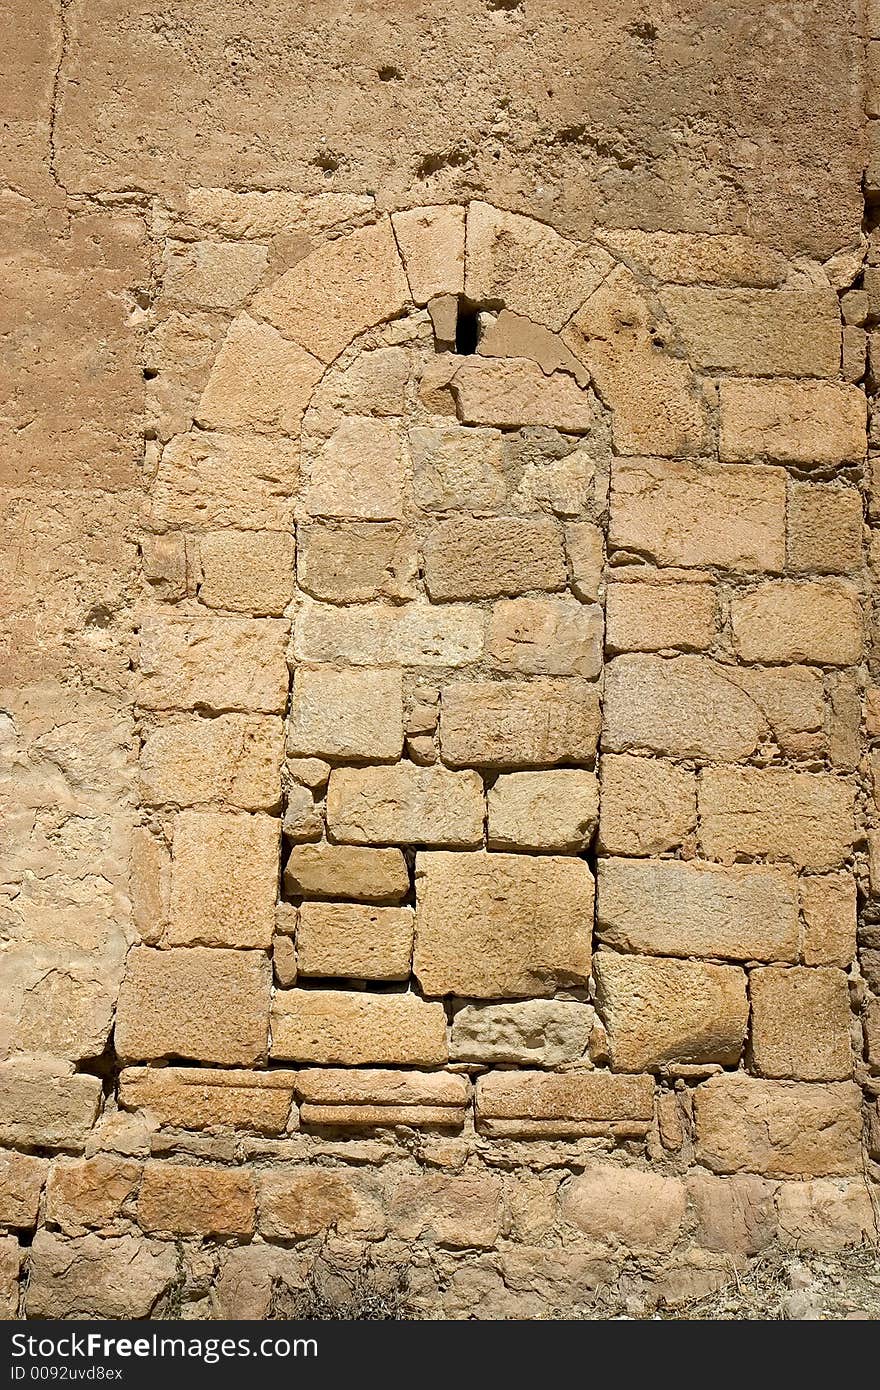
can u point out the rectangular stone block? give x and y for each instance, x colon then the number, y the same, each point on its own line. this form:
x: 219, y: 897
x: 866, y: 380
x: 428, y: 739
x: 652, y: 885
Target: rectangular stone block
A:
x: 457, y: 468
x: 660, y: 1011
x: 683, y: 707
x: 208, y: 1098
x: 501, y: 925
x: 247, y: 571
x: 355, y: 561
x: 801, y: 1023
x: 536, y: 723
x: 378, y: 634
x: 355, y: 941
x: 694, y: 514
x: 511, y: 393
x: 546, y: 636
x: 366, y: 1099
x: 215, y: 663
x: 360, y: 472
x: 184, y: 1201
x: 529, y: 1032
x: 489, y: 557
x: 825, y: 527
x: 672, y: 908
x: 351, y: 1029
x: 805, y: 422
x: 91, y: 1193
x: 234, y: 758
x: 543, y: 810
x: 224, y: 879
x: 346, y: 871
x: 21, y: 1185
x: 44, y: 1104
x: 247, y: 481
x: 782, y: 1129
x: 758, y: 332
x: 405, y: 804
x: 529, y: 1104
x: 346, y: 714
x: 647, y: 806
x: 828, y: 907
x: 650, y: 617
x: 785, y: 620
x: 459, y: 1211
x: 194, y: 1003
x: 775, y: 813
x: 585, y: 548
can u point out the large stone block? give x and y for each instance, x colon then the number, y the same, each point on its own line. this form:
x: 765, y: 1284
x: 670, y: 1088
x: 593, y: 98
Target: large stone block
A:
x: 94, y: 1277
x: 455, y: 466
x: 501, y: 925
x: 359, y: 473
x: 651, y: 617
x: 536, y: 723
x: 512, y: 393
x: 214, y: 480
x: 208, y: 1098
x: 530, y: 1032
x: 629, y: 1207
x: 783, y: 1129
x: 224, y: 879
x: 801, y: 1023
x: 346, y: 714
x: 735, y: 1214
x: 683, y: 707
x: 788, y: 621
x: 758, y: 332
x: 647, y: 806
x: 488, y: 557
x: 295, y: 1203
x: 46, y: 1105
x: 366, y: 1098
x: 828, y: 906
x: 379, y: 634
x: 246, y: 571
x: 354, y: 940
x: 215, y: 663
x: 183, y: 1201
x: 825, y: 528
x: 431, y: 242
x: 347, y: 1028
x: 405, y: 804
x: 91, y: 1193
x: 777, y: 814
x: 234, y: 758
x: 260, y: 380
x: 699, y: 258
x: 815, y: 422
x: 529, y: 1104
x: 459, y: 1211
x: 354, y: 561
x: 346, y: 871
x: 543, y: 810
x: 546, y: 637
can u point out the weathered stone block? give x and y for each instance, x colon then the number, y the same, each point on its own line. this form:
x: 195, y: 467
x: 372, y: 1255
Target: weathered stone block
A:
x: 359, y: 473
x: 825, y: 528
x: 247, y: 571
x: 212, y: 274
x: 683, y: 707
x: 546, y: 636
x: 801, y: 1023
x: 224, y: 879
x: 45, y: 1104
x: 206, y: 1098
x: 342, y: 1028
x: 345, y: 871
x: 815, y: 422
x: 646, y: 806
x: 543, y: 810
x: 788, y: 621
x: 514, y: 393
x: 260, y: 381
x: 299, y: 1202
x: 233, y: 758
x: 776, y: 813
x: 431, y: 242
x: 217, y: 480
x: 697, y: 258
x: 783, y: 1129
x: 21, y: 1185
x: 758, y: 332
x: 457, y: 1211
x: 90, y: 1193
x: 10, y: 1268
x: 536, y: 723
x: 365, y: 1099
x: 585, y: 548
x: 178, y: 1200
x: 826, y: 1214
x: 496, y: 925
x: 346, y: 714
x: 378, y: 634
x: 650, y: 617
x: 455, y: 466
x: 533, y: 1103
x: 735, y: 1215
x: 216, y: 663
x: 532, y: 1032
x: 354, y: 940
x: 625, y: 1206
x: 828, y: 906
x: 94, y: 1277
x: 405, y: 804
x: 354, y: 561
x: 488, y: 557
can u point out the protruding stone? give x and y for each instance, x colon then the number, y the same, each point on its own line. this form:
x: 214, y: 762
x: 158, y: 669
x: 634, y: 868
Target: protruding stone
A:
x: 828, y: 905
x: 638, y: 1210
x: 21, y: 1185
x: 342, y: 1028
x: 529, y: 1104
x: 207, y: 1098
x: 178, y: 1200
x: 366, y: 1099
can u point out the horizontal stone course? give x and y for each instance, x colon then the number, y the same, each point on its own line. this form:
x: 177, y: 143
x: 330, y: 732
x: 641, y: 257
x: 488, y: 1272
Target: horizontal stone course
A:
x: 531, y: 1103
x: 347, y: 1028
x: 208, y: 1097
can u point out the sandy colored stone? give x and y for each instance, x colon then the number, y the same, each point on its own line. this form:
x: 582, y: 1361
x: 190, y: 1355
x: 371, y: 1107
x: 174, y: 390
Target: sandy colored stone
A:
x: 758, y: 332
x: 343, y: 287
x: 346, y: 871
x: 353, y: 561
x: 224, y: 879
x: 828, y: 906
x: 431, y: 242
x: 44, y: 1104
x: 512, y: 335
x: 379, y: 634
x: 656, y: 405
x: 791, y: 699
x: 346, y: 714
x: 208, y: 1098
x: 367, y: 1099
x: 359, y: 473
x: 472, y: 557
x: 531, y: 1032
x: 266, y: 213
x: 814, y: 422
x: 659, y: 1011
x: 824, y: 528
x: 374, y: 384
x: 179, y: 1200
x: 298, y: 1202
x: 689, y: 258
x: 347, y: 1028
x: 585, y: 548
x: 543, y: 810
x: 534, y: 1103
x: 163, y: 561
x: 683, y: 707
x: 776, y: 813
x: 789, y: 621
x: 10, y: 1268
x: 303, y: 819
x: 457, y: 466
x: 801, y: 1023
x: 284, y: 968
x: 546, y: 636
x: 354, y: 940
x: 405, y: 804
x: 90, y: 1193
x: 95, y: 1277
x: 198, y: 1003
x: 649, y: 617
x: 556, y: 474
x: 260, y: 381
x: 217, y: 480
x: 735, y: 1215
x: 512, y: 392
x: 501, y: 925
x: 669, y: 907
x: 694, y: 514
x: 460, y: 1212
x: 646, y: 806
x: 234, y: 758
x: 783, y: 1129
x: 826, y: 1214
x: 21, y: 1185
x: 519, y: 723
x: 631, y: 1207
x: 247, y: 571
x: 212, y: 274
x: 213, y: 663
x: 149, y: 884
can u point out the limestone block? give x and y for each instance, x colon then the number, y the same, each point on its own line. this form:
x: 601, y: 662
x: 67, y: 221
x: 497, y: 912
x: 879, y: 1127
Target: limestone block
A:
x: 179, y: 1200
x: 554, y: 473
x: 374, y: 384
x: 791, y: 698
x: 460, y: 1212
x: 698, y: 258
x: 214, y: 663
x: 354, y: 940
x: 776, y: 813
x: 488, y: 557
x: 365, y: 1099
x: 828, y: 907
x: 360, y: 472
x: 735, y: 1215
x: 513, y: 392
x: 44, y: 1104
x: 206, y: 479
x: 379, y: 634
x: 207, y: 1005
x: 212, y: 274
x: 805, y: 422
x: 529, y: 1104
x: 303, y: 819
x: 149, y: 884
x: 669, y: 907
x: 546, y: 636
x: 512, y: 335
x: 683, y: 707
x: 650, y: 617
x: 346, y: 714
x: 90, y: 1193
x: 585, y: 548
x: 457, y: 466
x: 298, y: 1202
x: 758, y: 332
x: 246, y: 571
x: 659, y: 1011
x: 268, y: 213
x: 346, y: 1028
x: 519, y: 723
x: 234, y: 758
x: 346, y: 871
x: 783, y: 1129
x: 808, y: 621
x: 224, y: 879
x: 531, y: 1032
x: 501, y: 925
x: 826, y: 1214
x: 694, y: 514
x: 260, y: 381
x: 208, y: 1098
x: 431, y: 242
x: 405, y: 804
x: 93, y: 1277
x: 163, y: 560
x: 354, y: 561
x: 630, y: 1207
x: 801, y: 1023
x: 284, y: 969
x: 647, y: 806
x: 543, y: 810
x: 337, y: 291
x: 10, y: 1268
x: 22, y: 1177
x: 824, y: 528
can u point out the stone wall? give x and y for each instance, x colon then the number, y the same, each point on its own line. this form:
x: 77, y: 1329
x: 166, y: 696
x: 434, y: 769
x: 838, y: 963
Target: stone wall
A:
x: 437, y: 755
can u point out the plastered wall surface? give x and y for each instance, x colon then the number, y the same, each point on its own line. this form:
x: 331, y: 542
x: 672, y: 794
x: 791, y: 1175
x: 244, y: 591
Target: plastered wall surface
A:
x: 437, y: 653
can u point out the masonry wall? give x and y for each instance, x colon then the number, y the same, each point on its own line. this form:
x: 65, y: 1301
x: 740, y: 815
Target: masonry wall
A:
x: 439, y: 651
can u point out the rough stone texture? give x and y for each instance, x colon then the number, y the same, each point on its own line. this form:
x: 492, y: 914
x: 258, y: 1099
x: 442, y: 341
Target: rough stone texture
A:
x: 533, y: 1103
x: 259, y: 379
x: 517, y: 723
x: 224, y: 876
x: 414, y: 634
x: 95, y: 1278
x: 545, y: 637
x: 777, y: 814
x: 345, y: 871
x: 45, y: 1105
x: 496, y: 925
x: 340, y: 1028
x: 346, y: 714
x: 824, y: 528
x: 651, y: 617
x: 459, y: 1212
x: 359, y: 473
x: 487, y: 558
x: 684, y: 707
x: 204, y: 1098
x: 826, y: 1214
x: 735, y: 1215
x: 533, y: 1032
x: 189, y: 663
x: 354, y: 940
x: 801, y: 1023
x: 422, y: 805
x: 791, y: 422
x: 366, y: 1099
x: 247, y: 571
x: 513, y: 392
x: 758, y: 332
x: 627, y: 1206
x: 21, y: 1185
x: 646, y: 806
x: 781, y: 1129
x: 543, y: 810
x: 90, y: 1193
x: 299, y: 1202
x: 354, y: 561
x: 784, y: 621
x: 246, y: 481
x: 177, y: 1200
x: 828, y: 905
x: 234, y: 759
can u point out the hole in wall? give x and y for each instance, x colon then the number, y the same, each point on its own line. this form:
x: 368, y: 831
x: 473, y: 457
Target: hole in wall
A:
x: 467, y: 330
